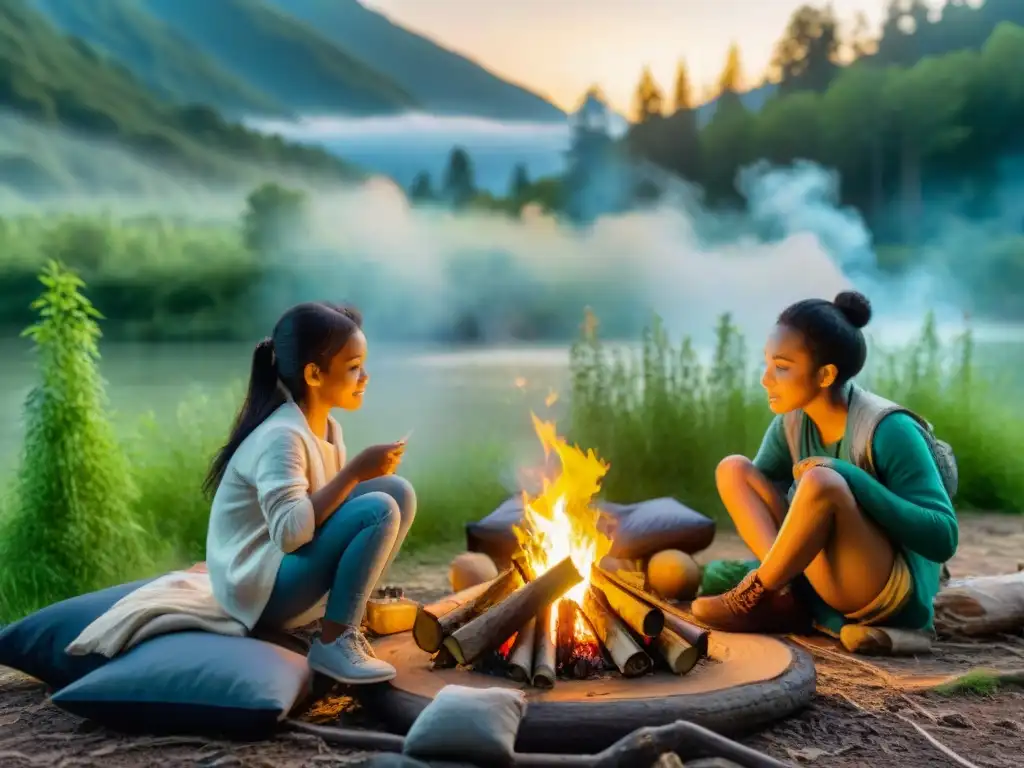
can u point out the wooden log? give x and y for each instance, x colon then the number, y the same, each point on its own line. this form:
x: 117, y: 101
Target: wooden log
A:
x: 629, y: 657
x: 499, y: 622
x: 565, y: 638
x: 985, y: 605
x: 436, y: 621
x: 544, y: 651
x: 426, y: 629
x: 443, y: 659
x: 641, y: 617
x: 680, y: 656
x: 520, y: 660
x: 675, y: 618
x: 884, y: 641
x: 521, y: 564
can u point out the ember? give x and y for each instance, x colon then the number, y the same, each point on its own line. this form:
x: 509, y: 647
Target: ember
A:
x: 554, y: 611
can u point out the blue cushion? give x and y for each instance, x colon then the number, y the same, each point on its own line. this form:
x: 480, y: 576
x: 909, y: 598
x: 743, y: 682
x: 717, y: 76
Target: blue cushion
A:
x: 35, y: 644
x: 192, y: 682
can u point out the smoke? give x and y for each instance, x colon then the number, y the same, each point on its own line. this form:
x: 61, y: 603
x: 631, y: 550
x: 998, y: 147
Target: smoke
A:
x: 423, y: 273
x: 415, y: 269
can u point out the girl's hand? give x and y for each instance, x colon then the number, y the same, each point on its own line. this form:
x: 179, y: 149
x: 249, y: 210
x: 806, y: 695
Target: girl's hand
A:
x: 378, y: 460
x: 806, y: 464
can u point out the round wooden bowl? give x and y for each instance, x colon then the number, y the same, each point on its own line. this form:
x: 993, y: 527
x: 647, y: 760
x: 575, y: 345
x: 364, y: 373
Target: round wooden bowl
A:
x: 746, y: 682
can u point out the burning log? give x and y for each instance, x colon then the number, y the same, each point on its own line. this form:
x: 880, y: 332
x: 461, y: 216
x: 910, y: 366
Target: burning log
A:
x: 521, y: 564
x: 565, y: 635
x: 641, y: 617
x: 627, y: 655
x: 577, y: 649
x: 435, y: 622
x: 499, y: 622
x: 520, y: 660
x: 675, y: 619
x: 680, y: 656
x: 543, y: 651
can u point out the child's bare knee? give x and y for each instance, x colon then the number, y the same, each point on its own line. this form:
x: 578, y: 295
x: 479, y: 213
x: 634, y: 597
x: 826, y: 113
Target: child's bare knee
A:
x: 732, y: 470
x: 824, y: 482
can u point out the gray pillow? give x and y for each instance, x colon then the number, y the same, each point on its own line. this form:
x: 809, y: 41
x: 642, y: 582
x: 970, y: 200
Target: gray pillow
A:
x: 474, y: 725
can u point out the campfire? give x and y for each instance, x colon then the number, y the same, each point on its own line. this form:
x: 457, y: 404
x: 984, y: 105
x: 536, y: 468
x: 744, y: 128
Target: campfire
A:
x: 555, y: 612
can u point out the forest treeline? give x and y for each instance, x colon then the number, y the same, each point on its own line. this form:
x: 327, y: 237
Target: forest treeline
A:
x: 930, y: 109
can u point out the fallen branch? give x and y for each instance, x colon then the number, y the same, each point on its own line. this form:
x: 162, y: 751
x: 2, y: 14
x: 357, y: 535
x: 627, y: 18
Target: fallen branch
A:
x: 350, y: 737
x: 956, y: 758
x: 641, y: 747
x: 981, y: 606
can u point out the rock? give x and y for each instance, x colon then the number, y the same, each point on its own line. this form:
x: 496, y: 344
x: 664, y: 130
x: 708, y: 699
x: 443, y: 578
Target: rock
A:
x: 674, y: 575
x: 469, y: 569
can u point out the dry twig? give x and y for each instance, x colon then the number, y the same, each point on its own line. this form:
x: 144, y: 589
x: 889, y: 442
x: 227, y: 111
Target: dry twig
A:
x: 955, y: 757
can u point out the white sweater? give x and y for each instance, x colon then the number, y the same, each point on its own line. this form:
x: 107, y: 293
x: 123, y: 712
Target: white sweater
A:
x: 262, y: 509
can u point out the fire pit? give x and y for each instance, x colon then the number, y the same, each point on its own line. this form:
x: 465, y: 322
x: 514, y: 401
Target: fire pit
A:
x: 597, y: 652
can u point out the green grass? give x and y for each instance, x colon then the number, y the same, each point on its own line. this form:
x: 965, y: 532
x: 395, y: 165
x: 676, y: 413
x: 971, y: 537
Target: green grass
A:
x: 980, y: 682
x: 664, y: 420
x: 171, y: 457
x: 80, y: 519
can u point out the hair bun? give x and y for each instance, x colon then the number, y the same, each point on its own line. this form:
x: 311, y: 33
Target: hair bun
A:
x: 855, y: 307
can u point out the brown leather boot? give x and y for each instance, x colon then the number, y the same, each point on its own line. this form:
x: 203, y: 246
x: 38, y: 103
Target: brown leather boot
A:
x: 749, y: 607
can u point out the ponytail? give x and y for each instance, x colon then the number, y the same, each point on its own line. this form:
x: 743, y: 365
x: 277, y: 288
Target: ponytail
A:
x: 265, y: 395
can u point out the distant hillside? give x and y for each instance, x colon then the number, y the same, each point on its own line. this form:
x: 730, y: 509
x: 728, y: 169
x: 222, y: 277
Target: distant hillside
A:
x: 281, y: 58
x: 62, y: 82
x: 441, y: 80
x: 156, y: 54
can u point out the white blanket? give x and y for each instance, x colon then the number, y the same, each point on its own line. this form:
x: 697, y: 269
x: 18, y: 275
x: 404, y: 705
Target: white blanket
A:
x: 179, y: 601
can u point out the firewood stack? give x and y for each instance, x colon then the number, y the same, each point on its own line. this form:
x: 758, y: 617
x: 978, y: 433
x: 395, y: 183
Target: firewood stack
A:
x: 540, y: 636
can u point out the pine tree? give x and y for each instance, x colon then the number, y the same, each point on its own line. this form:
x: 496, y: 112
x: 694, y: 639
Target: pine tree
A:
x: 649, y: 101
x: 460, y: 179
x: 731, y: 79
x: 519, y: 185
x: 683, y: 94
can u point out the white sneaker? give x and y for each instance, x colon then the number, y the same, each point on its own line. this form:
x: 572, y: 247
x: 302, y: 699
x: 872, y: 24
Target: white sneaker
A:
x: 347, y: 661
x: 365, y: 644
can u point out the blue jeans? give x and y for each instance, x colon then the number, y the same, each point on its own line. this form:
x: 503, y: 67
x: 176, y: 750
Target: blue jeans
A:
x: 347, y: 555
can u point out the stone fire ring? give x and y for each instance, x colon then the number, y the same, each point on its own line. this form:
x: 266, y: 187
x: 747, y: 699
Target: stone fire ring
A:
x: 747, y: 682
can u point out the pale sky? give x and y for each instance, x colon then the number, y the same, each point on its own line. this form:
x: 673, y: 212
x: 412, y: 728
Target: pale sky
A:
x: 561, y: 47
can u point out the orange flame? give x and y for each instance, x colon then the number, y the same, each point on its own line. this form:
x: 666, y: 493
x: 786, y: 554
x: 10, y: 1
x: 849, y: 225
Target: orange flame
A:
x: 561, y: 522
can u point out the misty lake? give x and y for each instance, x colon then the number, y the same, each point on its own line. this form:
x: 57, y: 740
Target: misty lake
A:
x: 442, y: 394
x: 402, y: 147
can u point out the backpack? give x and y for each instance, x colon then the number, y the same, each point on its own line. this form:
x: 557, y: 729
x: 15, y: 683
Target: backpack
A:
x: 866, y: 412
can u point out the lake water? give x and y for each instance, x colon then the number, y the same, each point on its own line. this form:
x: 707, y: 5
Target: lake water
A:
x: 444, y: 395
x: 403, y: 146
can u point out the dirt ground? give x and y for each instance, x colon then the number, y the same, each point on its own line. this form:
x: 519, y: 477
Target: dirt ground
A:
x: 864, y: 714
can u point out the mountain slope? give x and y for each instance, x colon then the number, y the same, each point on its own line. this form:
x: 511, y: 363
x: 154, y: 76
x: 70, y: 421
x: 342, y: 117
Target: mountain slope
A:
x: 62, y: 82
x: 443, y: 81
x: 156, y: 54
x: 283, y: 57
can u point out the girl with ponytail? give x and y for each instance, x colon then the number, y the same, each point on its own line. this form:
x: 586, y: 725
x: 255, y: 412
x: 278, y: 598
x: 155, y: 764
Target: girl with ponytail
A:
x: 847, y: 504
x: 298, y: 530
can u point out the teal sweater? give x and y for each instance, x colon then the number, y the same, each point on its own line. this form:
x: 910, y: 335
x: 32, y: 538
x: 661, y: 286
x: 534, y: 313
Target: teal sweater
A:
x: 907, y: 500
